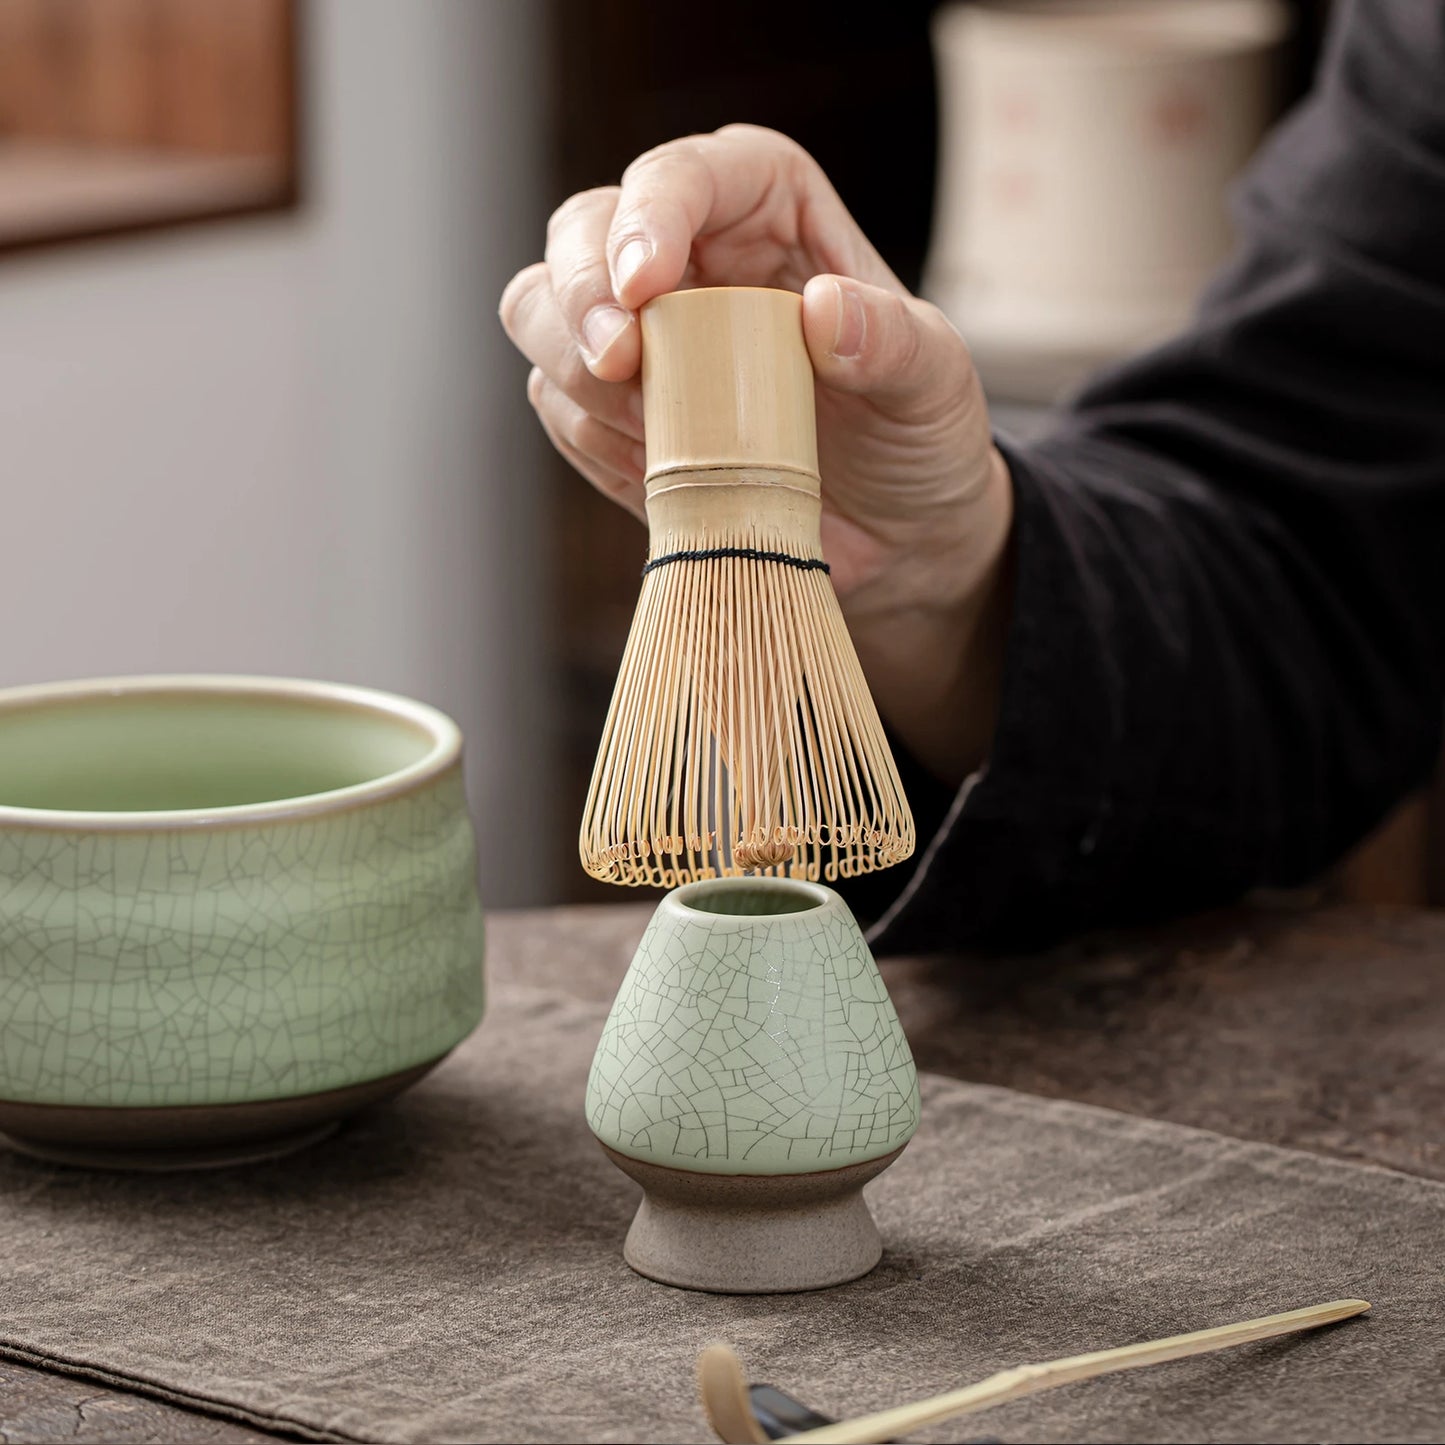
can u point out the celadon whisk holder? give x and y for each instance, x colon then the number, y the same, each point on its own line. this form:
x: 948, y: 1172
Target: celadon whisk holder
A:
x: 752, y: 1077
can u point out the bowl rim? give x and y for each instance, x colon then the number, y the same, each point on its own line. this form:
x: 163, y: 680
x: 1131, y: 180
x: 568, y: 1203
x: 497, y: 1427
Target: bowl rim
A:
x: 444, y: 754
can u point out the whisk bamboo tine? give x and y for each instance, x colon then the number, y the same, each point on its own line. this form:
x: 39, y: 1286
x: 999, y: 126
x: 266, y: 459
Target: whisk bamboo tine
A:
x: 1015, y: 1383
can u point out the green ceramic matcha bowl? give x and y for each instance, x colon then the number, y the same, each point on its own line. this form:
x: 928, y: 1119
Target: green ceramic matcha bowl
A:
x: 232, y: 910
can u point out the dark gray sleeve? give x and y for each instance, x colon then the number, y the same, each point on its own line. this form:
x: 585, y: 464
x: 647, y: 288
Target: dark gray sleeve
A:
x: 1225, y: 657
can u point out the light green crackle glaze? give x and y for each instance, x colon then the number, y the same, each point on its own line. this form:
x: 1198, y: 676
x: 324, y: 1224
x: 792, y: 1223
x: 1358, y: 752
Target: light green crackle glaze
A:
x: 250, y: 961
x: 751, y: 1040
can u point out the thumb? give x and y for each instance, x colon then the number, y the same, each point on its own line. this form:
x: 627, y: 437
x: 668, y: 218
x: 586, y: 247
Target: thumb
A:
x: 902, y: 353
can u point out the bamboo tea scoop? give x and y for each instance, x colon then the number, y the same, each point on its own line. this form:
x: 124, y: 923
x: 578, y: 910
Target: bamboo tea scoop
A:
x: 725, y: 1391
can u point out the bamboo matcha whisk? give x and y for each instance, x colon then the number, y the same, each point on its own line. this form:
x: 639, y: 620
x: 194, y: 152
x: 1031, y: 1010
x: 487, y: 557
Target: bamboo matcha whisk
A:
x: 741, y: 735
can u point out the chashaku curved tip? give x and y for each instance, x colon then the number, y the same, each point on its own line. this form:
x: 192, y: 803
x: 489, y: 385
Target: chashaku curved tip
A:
x: 724, y: 1391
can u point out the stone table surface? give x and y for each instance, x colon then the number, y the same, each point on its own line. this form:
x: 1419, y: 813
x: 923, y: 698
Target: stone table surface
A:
x: 1321, y: 1030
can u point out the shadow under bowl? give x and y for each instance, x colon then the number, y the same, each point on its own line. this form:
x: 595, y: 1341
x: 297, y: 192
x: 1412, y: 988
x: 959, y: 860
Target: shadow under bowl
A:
x: 191, y: 1136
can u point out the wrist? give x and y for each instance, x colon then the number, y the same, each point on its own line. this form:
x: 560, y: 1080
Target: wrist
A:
x: 940, y: 556
x: 934, y: 657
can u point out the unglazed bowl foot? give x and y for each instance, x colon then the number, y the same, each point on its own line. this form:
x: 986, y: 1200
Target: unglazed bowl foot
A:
x: 752, y: 1234
x: 158, y: 1161
x: 190, y: 1136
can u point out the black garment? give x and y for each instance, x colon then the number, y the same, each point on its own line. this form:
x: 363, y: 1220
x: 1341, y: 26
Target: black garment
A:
x: 1225, y: 660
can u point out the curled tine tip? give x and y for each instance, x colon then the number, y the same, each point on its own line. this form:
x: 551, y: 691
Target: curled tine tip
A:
x: 741, y: 735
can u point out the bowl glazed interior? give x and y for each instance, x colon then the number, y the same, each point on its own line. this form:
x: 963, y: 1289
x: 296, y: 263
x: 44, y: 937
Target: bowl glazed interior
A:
x: 179, y: 750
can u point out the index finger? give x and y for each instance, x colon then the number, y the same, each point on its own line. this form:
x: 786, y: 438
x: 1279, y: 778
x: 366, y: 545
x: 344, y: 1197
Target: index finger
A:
x: 742, y: 176
x: 605, y: 333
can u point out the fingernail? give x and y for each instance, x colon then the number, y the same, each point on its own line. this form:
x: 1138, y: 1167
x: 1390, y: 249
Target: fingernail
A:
x: 852, y: 329
x: 631, y: 259
x: 601, y: 327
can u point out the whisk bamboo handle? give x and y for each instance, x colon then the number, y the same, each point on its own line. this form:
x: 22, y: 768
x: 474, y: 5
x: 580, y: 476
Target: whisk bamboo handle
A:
x: 1029, y: 1379
x: 756, y: 412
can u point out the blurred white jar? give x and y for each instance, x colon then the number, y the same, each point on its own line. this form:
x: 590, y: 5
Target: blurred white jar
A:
x: 1085, y: 152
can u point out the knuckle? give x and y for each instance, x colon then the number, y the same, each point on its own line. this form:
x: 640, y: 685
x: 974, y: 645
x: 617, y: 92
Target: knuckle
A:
x: 937, y: 363
x: 610, y: 484
x: 588, y: 435
x: 559, y: 218
x: 517, y: 295
x: 601, y: 445
x: 761, y: 135
x: 573, y: 425
x: 574, y: 211
x: 659, y: 154
x: 698, y: 149
x: 774, y: 146
x: 943, y: 334
x: 550, y: 434
x: 569, y: 373
x: 581, y: 286
x: 909, y: 334
x: 686, y: 153
x: 578, y: 205
x: 933, y: 319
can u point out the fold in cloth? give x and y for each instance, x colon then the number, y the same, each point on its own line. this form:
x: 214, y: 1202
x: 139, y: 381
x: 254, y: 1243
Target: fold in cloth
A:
x: 449, y: 1268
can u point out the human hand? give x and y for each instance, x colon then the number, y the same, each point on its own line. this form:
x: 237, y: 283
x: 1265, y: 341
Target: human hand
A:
x: 917, y: 502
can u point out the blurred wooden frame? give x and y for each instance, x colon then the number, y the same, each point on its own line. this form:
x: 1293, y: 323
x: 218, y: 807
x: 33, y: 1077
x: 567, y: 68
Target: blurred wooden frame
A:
x: 118, y: 116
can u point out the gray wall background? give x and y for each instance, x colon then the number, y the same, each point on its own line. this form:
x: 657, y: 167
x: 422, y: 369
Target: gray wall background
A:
x: 300, y: 446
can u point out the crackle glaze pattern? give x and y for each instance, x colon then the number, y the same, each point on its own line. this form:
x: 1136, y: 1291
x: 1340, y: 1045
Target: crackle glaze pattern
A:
x: 242, y: 963
x: 753, y: 1045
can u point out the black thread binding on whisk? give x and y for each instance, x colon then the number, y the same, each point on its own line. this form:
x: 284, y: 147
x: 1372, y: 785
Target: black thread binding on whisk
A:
x: 750, y: 554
